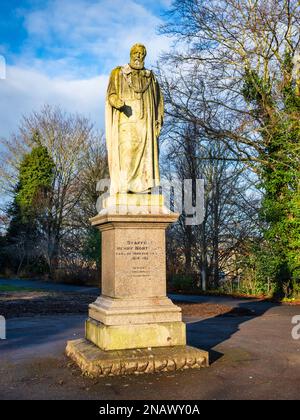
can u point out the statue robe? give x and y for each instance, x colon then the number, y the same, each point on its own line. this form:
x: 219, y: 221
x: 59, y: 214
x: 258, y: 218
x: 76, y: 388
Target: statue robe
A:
x: 132, y: 132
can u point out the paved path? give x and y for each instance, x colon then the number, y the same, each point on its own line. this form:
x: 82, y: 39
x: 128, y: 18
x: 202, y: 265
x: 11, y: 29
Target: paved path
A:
x: 252, y: 357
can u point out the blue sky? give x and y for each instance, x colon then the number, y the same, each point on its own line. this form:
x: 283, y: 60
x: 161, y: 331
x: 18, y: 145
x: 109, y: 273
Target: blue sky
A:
x: 61, y: 52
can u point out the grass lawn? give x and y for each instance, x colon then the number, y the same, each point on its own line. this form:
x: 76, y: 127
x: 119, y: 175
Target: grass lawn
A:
x: 9, y: 288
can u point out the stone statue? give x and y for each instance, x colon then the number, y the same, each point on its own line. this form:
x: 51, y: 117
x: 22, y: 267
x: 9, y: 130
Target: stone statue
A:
x: 133, y: 311
x: 134, y: 117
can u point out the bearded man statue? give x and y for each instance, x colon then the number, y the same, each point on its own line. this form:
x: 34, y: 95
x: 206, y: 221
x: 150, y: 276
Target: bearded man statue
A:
x: 134, y: 117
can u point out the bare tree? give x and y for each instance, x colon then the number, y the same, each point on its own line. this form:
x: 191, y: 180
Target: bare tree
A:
x: 231, y: 207
x: 226, y: 52
x: 217, y: 44
x: 80, y: 250
x: 76, y: 152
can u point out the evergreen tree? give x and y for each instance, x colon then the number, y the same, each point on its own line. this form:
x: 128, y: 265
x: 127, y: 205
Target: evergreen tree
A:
x: 29, y: 208
x: 279, y: 255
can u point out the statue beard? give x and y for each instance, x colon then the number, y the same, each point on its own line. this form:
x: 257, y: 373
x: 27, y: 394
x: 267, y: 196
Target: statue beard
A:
x: 137, y: 64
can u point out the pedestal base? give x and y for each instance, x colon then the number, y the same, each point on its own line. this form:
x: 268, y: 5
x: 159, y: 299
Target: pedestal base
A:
x: 124, y: 311
x: 133, y: 327
x: 96, y: 363
x: 118, y: 337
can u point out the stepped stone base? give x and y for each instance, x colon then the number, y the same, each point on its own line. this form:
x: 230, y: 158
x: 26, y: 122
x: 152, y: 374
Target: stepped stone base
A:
x: 95, y: 362
x: 125, y: 311
x: 133, y: 327
x: 118, y: 337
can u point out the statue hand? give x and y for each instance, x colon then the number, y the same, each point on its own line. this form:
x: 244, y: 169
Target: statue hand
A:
x: 119, y: 103
x: 157, y: 128
x: 115, y: 101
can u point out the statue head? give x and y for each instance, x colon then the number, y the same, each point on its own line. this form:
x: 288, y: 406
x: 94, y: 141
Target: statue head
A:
x: 137, y: 56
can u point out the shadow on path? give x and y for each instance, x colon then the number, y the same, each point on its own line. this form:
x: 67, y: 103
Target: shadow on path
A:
x: 210, y: 332
x: 32, y: 333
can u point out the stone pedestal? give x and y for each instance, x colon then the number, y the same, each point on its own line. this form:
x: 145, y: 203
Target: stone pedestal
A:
x: 133, y: 311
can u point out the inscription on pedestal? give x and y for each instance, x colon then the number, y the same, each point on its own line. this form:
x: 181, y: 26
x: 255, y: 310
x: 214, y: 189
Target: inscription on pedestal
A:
x: 134, y: 257
x: 137, y: 257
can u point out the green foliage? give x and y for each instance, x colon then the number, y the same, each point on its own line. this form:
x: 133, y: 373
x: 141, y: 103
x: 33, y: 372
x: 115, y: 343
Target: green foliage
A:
x: 31, y: 201
x: 35, y: 180
x: 181, y: 282
x: 91, y: 249
x: 255, y: 88
x: 257, y: 273
x: 3, y: 256
x: 278, y: 257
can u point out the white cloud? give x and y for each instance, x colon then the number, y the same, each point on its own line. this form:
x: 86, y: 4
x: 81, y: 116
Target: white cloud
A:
x: 71, y: 47
x: 88, y: 33
x: 2, y: 67
x: 26, y: 90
